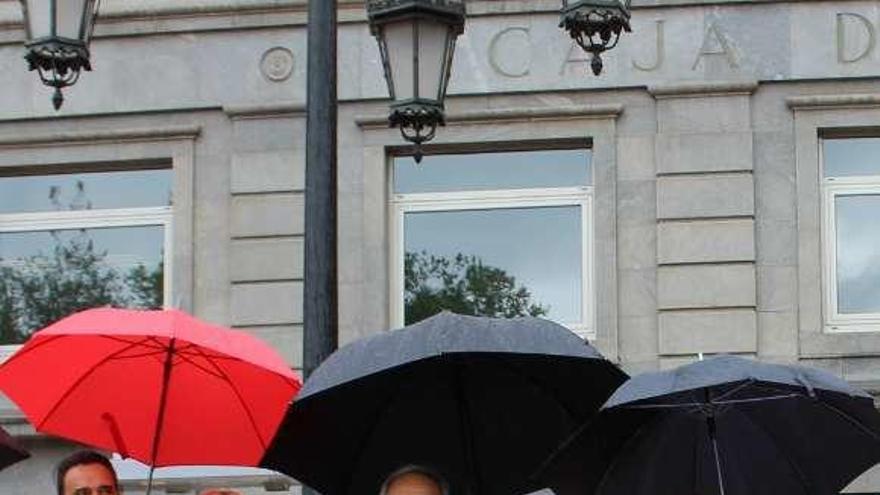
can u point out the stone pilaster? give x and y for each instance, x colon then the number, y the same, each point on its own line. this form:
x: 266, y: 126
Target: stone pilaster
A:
x: 705, y: 219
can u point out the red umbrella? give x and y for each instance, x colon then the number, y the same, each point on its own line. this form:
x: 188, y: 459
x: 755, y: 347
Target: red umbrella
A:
x: 159, y: 386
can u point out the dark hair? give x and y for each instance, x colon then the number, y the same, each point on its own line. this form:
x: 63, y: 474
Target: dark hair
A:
x: 82, y: 458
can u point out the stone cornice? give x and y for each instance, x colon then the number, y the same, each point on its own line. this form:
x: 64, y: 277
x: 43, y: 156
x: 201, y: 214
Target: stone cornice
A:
x: 611, y: 111
x: 830, y: 102
x: 165, y: 133
x: 702, y: 89
x: 264, y: 111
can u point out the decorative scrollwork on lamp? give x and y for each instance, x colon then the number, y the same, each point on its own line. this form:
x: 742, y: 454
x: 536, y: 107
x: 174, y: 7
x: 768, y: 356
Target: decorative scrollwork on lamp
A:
x: 595, y: 25
x: 58, y: 35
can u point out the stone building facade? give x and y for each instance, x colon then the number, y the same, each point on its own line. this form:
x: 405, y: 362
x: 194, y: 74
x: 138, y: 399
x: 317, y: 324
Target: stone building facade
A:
x: 722, y: 195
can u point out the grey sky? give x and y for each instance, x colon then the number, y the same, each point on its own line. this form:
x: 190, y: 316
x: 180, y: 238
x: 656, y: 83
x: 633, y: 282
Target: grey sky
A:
x: 858, y: 253
x: 126, y: 246
x: 541, y: 247
x: 849, y: 157
x: 102, y: 190
x: 482, y: 171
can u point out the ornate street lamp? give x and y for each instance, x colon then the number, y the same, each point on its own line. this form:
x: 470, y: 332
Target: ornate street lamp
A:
x: 58, y: 34
x: 416, y: 40
x: 595, y: 25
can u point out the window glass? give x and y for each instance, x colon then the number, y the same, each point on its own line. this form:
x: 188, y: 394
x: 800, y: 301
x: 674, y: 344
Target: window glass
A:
x: 85, y: 191
x: 487, y: 171
x: 494, y: 262
x: 858, y: 253
x: 851, y: 157
x: 46, y: 275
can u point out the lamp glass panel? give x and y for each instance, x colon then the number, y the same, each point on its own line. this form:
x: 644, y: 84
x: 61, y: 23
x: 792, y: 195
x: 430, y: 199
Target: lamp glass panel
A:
x: 399, y: 41
x: 89, y: 20
x: 70, y: 17
x: 432, y: 45
x: 38, y: 18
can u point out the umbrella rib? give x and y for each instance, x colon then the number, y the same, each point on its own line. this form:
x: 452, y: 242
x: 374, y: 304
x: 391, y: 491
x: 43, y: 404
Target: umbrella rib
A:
x: 734, y: 390
x: 659, y: 418
x: 36, y: 345
x: 574, y: 417
x: 787, y: 389
x: 79, y: 381
x: 853, y: 421
x: 140, y: 355
x: 788, y: 458
x: 167, y: 368
x: 756, y: 399
x: 189, y: 351
x: 158, y: 346
x: 189, y: 360
x: 224, y: 377
x: 683, y: 405
x: 537, y: 473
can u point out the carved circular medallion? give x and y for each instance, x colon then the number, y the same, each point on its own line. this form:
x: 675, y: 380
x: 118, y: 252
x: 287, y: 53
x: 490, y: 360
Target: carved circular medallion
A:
x: 277, y: 64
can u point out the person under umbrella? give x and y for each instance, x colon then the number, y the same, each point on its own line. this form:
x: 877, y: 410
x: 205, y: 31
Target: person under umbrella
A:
x: 414, y: 480
x: 158, y: 386
x: 723, y: 426
x: 479, y: 401
x: 86, y: 472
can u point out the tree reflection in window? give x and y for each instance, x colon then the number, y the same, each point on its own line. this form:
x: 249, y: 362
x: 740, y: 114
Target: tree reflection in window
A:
x: 40, y: 289
x: 464, y: 285
x: 71, y: 274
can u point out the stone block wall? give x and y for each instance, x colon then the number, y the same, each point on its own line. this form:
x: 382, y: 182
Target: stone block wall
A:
x: 706, y: 286
x: 267, y: 161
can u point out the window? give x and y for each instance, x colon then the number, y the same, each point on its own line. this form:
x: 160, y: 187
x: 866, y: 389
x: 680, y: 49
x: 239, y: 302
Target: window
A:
x: 851, y: 237
x: 494, y: 234
x: 70, y: 241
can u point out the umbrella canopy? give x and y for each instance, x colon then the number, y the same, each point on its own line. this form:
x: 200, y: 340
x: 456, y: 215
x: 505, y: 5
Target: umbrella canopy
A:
x: 10, y: 451
x: 480, y: 400
x: 159, y: 386
x: 726, y: 425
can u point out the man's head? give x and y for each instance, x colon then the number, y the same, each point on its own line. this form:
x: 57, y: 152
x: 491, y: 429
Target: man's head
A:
x: 414, y: 480
x: 86, y: 473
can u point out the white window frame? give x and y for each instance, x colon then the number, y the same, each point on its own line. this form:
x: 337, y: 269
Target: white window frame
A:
x: 581, y: 196
x: 832, y: 188
x: 160, y: 216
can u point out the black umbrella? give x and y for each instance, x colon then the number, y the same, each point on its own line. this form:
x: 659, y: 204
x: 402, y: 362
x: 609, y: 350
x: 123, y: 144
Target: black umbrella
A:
x: 10, y: 452
x: 481, y: 401
x: 724, y: 426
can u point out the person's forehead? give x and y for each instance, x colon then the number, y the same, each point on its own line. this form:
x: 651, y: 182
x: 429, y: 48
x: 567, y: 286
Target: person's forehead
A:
x: 414, y: 483
x: 89, y: 473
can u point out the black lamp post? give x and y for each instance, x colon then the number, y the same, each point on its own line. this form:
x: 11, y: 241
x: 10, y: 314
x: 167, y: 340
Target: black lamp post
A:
x: 416, y: 40
x: 595, y: 25
x: 58, y: 34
